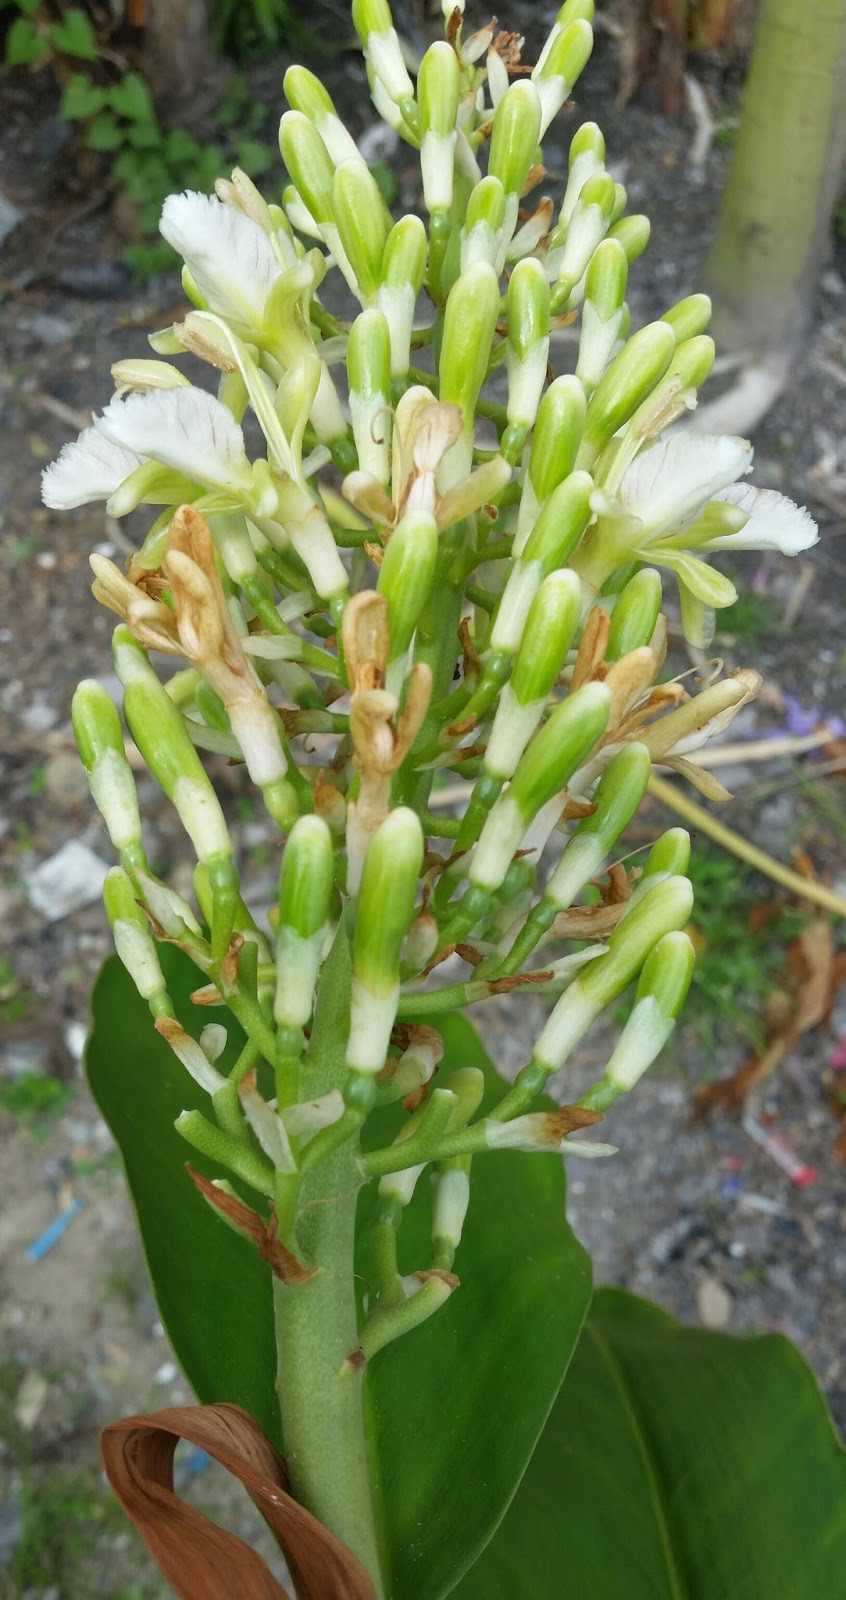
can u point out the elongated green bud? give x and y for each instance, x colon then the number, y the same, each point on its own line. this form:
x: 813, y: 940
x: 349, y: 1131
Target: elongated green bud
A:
x: 572, y: 11
x: 587, y: 226
x: 437, y: 94
x: 551, y: 758
x: 383, y: 915
x: 527, y: 350
x: 470, y: 319
x: 635, y: 614
x: 616, y: 798
x: 550, y: 544
x: 669, y: 856
x: 99, y: 739
x: 362, y: 222
x: 305, y: 892
x: 556, y: 437
x: 514, y: 136
x: 560, y: 66
x: 304, y: 92
x: 309, y: 163
x: 406, y: 574
x: 661, y: 991
x: 550, y: 628
x: 401, y: 278
x: 665, y: 909
x: 162, y: 738
x: 369, y: 370
x: 631, y: 377
x: 586, y: 160
x: 602, y: 310
x: 633, y: 234
x: 374, y: 25
x: 692, y: 361
x: 134, y: 942
x: 688, y: 317
x: 481, y: 233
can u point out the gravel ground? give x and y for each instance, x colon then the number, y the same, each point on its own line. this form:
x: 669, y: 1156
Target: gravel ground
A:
x: 698, y: 1217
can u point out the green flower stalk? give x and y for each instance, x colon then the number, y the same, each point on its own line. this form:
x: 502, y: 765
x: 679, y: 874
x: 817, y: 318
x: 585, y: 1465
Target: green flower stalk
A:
x: 388, y: 547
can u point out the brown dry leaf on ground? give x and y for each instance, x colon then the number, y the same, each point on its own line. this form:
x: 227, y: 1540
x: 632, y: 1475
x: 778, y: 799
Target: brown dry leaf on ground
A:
x: 200, y: 1560
x: 809, y: 987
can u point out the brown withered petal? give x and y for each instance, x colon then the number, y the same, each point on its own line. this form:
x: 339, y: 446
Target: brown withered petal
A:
x: 592, y: 648
x: 706, y: 782
x: 282, y: 1262
x: 587, y: 922
x: 518, y: 980
x: 568, y: 1119
x: 199, y: 1560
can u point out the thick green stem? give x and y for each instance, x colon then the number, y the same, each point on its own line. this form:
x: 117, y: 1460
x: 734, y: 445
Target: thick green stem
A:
x: 320, y: 1392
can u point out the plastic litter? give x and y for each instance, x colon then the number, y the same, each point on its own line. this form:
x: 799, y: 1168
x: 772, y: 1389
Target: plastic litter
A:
x: 45, y: 1242
x: 781, y: 1151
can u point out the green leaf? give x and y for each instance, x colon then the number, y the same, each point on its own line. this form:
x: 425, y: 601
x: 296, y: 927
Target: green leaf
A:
x: 74, y: 35
x: 24, y: 43
x: 104, y: 133
x: 81, y: 98
x: 456, y: 1407
x: 132, y: 99
x: 677, y: 1465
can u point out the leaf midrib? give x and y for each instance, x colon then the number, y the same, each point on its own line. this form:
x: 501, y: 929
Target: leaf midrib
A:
x: 678, y: 1589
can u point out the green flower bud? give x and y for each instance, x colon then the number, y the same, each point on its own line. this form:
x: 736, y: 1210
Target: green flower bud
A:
x: 586, y: 160
x: 369, y: 370
x: 450, y: 1199
x: 383, y: 915
x: 550, y: 627
x: 514, y: 137
x: 309, y: 163
x: 635, y: 614
x: 670, y: 855
x: 374, y: 25
x: 527, y: 351
x: 556, y: 437
x: 481, y: 233
x: 362, y: 222
x: 162, y: 738
x: 616, y: 797
x: 587, y: 226
x: 305, y: 893
x: 553, y: 756
x: 437, y: 93
x: 633, y: 234
x: 688, y: 317
x: 304, y: 92
x: 629, y: 380
x: 133, y: 941
x: 550, y: 544
x: 402, y: 272
x: 470, y: 319
x: 692, y: 361
x: 99, y: 739
x: 559, y: 67
x: 663, y: 910
x: 661, y: 992
x: 406, y: 574
x: 602, y: 310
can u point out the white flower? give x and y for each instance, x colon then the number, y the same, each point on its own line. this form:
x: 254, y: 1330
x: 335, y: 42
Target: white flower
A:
x: 186, y: 429
x: 229, y: 256
x: 775, y: 523
x: 667, y: 486
x: 91, y: 468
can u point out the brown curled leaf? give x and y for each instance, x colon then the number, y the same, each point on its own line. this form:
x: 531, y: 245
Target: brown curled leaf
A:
x: 199, y: 1560
x: 518, y: 980
x: 282, y: 1261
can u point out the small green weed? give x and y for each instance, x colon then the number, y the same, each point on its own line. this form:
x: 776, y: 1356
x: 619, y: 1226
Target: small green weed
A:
x: 14, y: 997
x: 32, y: 1098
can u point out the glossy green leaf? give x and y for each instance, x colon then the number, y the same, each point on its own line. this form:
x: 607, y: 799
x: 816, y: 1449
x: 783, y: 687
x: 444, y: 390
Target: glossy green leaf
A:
x: 456, y: 1406
x: 676, y: 1465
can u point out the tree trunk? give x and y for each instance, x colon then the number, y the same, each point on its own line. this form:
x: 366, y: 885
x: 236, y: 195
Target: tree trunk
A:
x: 773, y: 226
x: 177, y: 49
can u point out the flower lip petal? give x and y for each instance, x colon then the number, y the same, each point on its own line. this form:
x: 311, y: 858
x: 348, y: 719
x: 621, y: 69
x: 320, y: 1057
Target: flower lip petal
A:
x: 230, y: 257
x: 186, y: 429
x: 775, y: 522
x: 90, y: 468
x: 667, y: 485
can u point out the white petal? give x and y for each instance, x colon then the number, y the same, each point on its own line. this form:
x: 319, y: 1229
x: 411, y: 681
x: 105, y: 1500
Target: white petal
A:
x: 89, y: 469
x: 230, y: 258
x: 186, y: 429
x: 668, y: 484
x: 586, y: 1148
x: 775, y: 523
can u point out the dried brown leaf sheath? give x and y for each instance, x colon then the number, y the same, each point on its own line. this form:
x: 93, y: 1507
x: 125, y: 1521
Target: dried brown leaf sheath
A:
x: 200, y: 1560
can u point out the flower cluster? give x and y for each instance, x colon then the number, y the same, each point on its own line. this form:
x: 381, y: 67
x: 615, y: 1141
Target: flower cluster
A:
x: 443, y: 561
